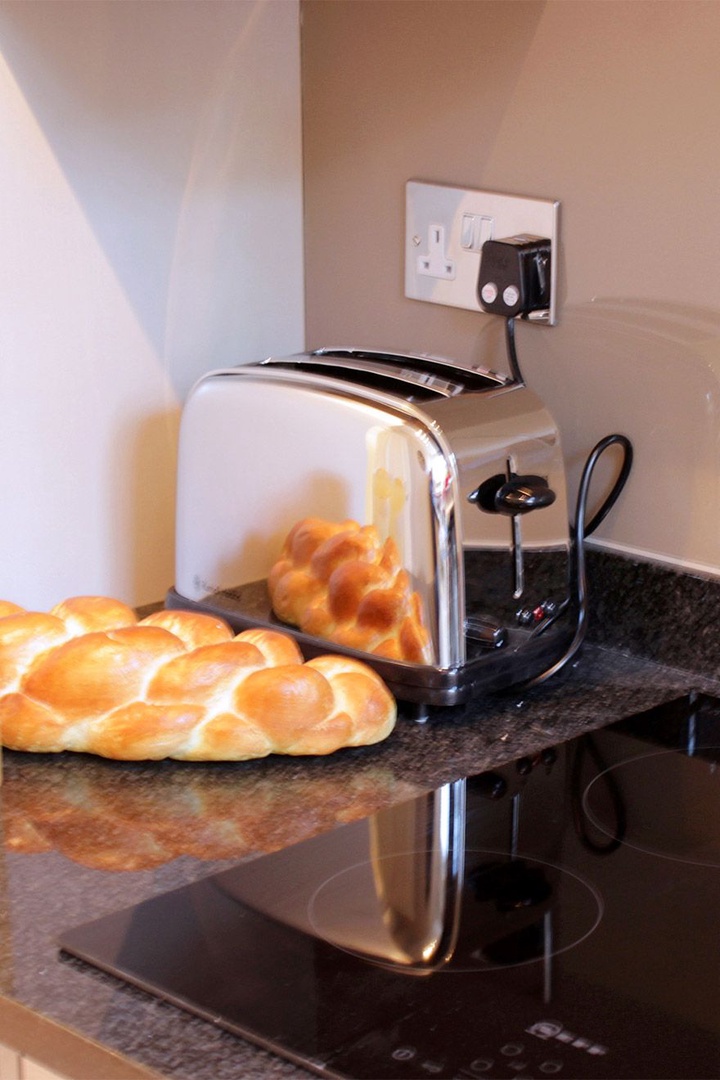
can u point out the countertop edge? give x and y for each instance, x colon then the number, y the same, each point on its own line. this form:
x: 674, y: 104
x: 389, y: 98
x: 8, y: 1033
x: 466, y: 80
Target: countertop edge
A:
x: 62, y: 1049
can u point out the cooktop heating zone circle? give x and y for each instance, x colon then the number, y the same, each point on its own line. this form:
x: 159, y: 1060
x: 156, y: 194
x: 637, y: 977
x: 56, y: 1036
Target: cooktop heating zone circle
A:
x: 670, y: 801
x: 502, y: 912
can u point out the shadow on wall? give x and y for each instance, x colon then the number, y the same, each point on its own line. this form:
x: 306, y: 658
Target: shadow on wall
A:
x: 650, y: 370
x: 151, y: 498
x: 178, y: 141
x: 151, y: 186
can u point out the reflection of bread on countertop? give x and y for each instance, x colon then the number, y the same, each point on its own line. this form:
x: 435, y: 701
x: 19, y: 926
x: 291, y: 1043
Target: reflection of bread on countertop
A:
x: 340, y: 582
x: 124, y: 817
x: 90, y: 677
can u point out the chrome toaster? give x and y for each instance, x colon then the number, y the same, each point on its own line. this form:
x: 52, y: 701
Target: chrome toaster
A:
x: 462, y: 467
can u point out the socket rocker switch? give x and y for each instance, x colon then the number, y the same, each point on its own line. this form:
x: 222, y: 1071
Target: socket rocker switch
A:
x: 474, y: 231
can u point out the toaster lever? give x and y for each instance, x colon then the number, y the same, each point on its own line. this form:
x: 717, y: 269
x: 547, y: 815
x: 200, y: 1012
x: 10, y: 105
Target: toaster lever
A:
x: 512, y: 494
x: 521, y: 494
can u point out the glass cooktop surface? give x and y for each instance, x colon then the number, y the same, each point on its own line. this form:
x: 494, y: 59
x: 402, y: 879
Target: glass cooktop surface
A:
x: 558, y: 916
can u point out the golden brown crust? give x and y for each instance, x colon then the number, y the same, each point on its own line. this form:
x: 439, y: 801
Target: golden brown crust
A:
x: 27, y: 725
x: 277, y: 648
x: 177, y: 684
x: 26, y: 637
x: 201, y: 629
x: 92, y: 674
x: 341, y: 583
x: 8, y: 608
x: 83, y: 614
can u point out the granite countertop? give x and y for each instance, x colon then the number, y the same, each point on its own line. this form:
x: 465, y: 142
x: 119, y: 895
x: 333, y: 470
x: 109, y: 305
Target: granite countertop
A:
x: 85, y: 837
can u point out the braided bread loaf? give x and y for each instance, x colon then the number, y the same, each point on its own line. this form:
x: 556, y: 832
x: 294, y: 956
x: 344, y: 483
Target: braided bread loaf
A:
x: 90, y: 677
x: 338, y: 581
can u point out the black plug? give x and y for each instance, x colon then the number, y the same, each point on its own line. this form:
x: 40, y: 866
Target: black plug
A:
x: 514, y: 275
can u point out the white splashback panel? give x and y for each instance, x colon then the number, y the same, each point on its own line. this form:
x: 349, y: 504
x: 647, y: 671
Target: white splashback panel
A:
x: 651, y: 372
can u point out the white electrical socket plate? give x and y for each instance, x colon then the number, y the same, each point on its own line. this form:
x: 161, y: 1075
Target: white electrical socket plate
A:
x: 445, y: 228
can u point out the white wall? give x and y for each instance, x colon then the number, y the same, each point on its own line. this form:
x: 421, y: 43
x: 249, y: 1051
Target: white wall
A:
x: 150, y: 229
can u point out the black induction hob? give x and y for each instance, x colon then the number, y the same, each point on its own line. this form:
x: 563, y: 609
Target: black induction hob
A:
x: 556, y: 917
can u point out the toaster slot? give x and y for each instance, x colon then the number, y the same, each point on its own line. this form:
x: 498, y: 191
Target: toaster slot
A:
x: 416, y: 378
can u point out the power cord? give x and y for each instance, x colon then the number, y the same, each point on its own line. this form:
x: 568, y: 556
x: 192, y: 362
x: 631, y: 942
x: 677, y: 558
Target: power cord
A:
x: 580, y: 531
x: 515, y: 372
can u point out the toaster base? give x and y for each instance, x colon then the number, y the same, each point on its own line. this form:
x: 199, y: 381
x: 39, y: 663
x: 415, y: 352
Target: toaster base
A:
x: 524, y: 657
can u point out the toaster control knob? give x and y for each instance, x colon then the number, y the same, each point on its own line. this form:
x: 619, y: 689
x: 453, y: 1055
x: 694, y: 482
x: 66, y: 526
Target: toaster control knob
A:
x: 486, y: 633
x: 484, y: 496
x: 528, y: 616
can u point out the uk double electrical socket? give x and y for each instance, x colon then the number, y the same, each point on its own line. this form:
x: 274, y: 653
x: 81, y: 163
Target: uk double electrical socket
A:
x: 445, y: 228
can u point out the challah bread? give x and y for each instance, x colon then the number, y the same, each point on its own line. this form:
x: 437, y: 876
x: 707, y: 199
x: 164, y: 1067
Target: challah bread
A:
x: 90, y: 677
x: 8, y: 608
x: 340, y: 582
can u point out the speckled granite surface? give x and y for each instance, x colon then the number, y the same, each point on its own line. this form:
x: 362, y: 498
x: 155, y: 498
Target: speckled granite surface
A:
x: 654, y: 611
x: 85, y: 837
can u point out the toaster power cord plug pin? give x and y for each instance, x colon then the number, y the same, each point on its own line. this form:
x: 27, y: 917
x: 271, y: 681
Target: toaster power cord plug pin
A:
x: 580, y: 532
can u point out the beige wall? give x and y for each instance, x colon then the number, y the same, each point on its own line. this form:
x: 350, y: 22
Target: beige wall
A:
x: 611, y: 107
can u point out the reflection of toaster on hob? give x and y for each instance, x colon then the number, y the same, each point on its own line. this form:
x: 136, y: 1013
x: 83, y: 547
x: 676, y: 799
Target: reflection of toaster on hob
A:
x: 439, y: 882
x: 509, y: 888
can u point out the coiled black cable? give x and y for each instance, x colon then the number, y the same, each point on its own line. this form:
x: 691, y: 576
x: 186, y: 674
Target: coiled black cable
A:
x: 580, y: 531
